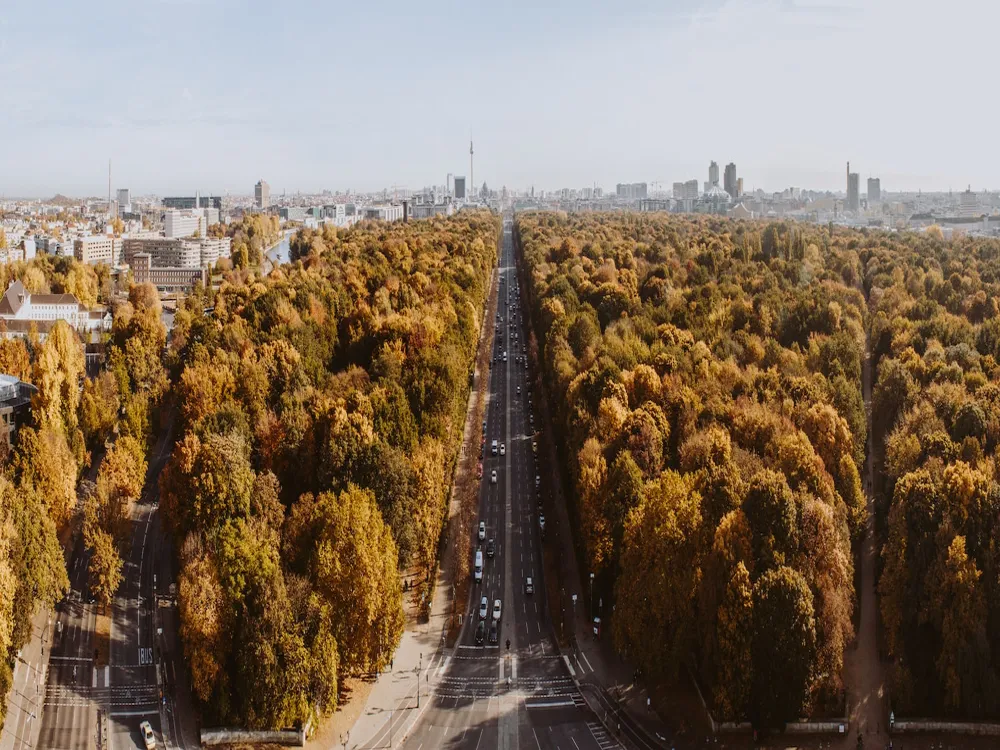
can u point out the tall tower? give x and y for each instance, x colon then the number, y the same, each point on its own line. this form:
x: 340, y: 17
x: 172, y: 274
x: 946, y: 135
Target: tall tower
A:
x: 472, y: 169
x: 109, y: 187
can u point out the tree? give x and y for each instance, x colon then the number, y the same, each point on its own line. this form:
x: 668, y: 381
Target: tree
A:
x: 661, y: 570
x: 43, y: 461
x: 351, y: 557
x: 203, y: 609
x: 734, y: 634
x: 784, y: 646
x: 770, y: 509
x: 105, y: 566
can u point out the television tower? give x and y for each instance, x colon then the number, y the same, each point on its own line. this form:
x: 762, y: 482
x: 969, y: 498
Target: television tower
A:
x: 472, y: 169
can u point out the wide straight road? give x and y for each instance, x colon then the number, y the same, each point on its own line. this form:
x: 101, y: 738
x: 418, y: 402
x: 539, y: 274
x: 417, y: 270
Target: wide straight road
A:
x: 484, y: 695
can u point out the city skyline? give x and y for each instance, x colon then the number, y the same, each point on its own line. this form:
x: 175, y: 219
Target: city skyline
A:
x: 639, y: 113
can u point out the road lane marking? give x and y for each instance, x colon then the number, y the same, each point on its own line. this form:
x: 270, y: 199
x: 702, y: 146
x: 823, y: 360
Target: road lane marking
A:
x: 586, y: 660
x: 539, y: 744
x: 548, y: 704
x: 572, y: 672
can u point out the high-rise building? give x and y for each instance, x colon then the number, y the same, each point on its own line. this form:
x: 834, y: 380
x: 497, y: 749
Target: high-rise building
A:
x: 98, y: 248
x: 853, y: 190
x: 969, y: 203
x: 184, y: 223
x: 713, y: 174
x: 460, y: 188
x: 874, y: 190
x: 691, y: 190
x: 739, y: 188
x: 262, y: 194
x: 729, y: 183
x: 450, y: 185
x: 124, y: 201
x: 631, y: 191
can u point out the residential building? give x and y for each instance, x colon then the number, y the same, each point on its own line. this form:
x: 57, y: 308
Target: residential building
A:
x: 691, y: 190
x: 15, y: 405
x: 292, y: 213
x: 460, y: 188
x: 729, y: 181
x: 679, y: 190
x: 184, y: 223
x: 874, y: 191
x: 262, y: 194
x: 98, y: 248
x: 20, y: 310
x: 631, y: 191
x: 713, y: 175
x: 166, y: 280
x: 182, y: 203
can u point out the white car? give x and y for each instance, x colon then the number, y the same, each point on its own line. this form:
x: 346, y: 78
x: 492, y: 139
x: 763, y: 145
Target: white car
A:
x: 503, y: 449
x: 484, y: 608
x: 482, y: 530
x: 493, y: 477
x: 147, y: 735
x: 541, y: 521
x: 529, y: 586
x: 496, y: 610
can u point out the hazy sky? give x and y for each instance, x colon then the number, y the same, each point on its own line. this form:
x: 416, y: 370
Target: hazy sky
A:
x: 212, y: 94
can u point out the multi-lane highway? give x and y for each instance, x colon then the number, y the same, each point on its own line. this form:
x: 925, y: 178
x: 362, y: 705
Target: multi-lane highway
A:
x: 484, y: 694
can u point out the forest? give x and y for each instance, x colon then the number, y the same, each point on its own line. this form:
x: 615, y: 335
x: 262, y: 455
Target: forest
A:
x: 708, y: 381
x: 104, y: 426
x: 935, y: 338
x: 320, y: 412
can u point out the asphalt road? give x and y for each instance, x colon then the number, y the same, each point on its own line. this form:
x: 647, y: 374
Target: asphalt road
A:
x: 484, y: 695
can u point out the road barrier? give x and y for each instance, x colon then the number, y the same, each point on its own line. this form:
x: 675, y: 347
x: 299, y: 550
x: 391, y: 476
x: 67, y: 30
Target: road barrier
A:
x: 915, y: 726
x: 223, y: 736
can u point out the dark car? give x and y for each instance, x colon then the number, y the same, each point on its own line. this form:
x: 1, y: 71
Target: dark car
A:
x: 494, y: 632
x: 480, y: 633
x: 491, y: 548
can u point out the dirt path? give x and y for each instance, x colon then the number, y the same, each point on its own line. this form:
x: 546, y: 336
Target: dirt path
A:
x: 866, y: 674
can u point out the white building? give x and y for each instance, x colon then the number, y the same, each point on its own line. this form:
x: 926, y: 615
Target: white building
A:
x: 98, y: 248
x: 387, y: 212
x: 184, y: 223
x: 124, y: 201
x: 19, y: 310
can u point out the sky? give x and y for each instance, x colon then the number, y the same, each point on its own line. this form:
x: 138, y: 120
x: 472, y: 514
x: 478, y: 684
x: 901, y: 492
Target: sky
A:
x: 211, y: 95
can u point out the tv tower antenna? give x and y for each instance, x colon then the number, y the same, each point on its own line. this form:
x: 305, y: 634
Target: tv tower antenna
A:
x: 472, y: 169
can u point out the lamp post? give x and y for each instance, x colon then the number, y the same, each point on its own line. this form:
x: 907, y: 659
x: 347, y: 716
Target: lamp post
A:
x: 592, y: 597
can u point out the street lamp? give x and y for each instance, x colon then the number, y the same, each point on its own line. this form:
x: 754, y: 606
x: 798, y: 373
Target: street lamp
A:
x: 591, y: 597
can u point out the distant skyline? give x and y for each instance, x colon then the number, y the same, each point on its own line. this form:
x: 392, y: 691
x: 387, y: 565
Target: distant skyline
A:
x: 212, y: 95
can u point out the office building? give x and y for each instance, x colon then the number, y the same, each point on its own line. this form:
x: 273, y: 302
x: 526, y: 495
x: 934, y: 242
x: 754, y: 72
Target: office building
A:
x: 874, y: 191
x: 713, y: 175
x: 389, y: 212
x: 293, y: 213
x: 631, y: 191
x: 729, y: 181
x: 124, y: 201
x: 166, y: 280
x: 165, y: 252
x: 969, y: 203
x: 198, y: 201
x: 853, y: 190
x: 691, y: 190
x: 450, y: 185
x: 184, y: 223
x: 262, y: 194
x: 460, y: 188
x: 98, y: 248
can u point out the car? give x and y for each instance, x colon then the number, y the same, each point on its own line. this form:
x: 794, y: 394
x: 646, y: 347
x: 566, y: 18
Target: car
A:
x: 531, y: 417
x: 538, y: 481
x: 494, y: 632
x: 525, y: 363
x: 519, y: 390
x: 493, y: 476
x: 529, y: 586
x: 482, y: 530
x: 597, y: 627
x: 496, y: 609
x: 148, y: 738
x: 480, y: 633
x: 505, y: 356
x: 503, y: 449
x: 534, y: 446
x: 541, y: 521
x: 484, y: 608
x: 491, y: 548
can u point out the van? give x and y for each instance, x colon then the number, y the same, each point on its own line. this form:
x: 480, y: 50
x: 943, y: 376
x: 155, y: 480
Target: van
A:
x: 494, y: 447
x: 479, y: 566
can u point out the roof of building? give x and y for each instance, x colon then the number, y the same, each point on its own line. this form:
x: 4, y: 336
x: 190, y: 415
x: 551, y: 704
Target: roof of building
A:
x: 16, y: 295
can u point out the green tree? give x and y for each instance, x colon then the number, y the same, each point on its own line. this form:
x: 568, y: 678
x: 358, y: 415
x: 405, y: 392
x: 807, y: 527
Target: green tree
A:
x: 105, y: 566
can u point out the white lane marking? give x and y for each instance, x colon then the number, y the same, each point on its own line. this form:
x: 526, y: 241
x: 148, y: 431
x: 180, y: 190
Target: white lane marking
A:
x: 134, y: 713
x: 587, y: 660
x: 500, y: 665
x: 444, y: 666
x: 548, y: 704
x: 572, y: 672
x: 513, y: 667
x: 93, y: 681
x: 477, y: 741
x: 539, y: 744
x: 574, y: 743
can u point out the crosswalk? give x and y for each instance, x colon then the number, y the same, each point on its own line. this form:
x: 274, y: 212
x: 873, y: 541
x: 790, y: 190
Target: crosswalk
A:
x: 604, y: 740
x: 535, y: 692
x: 115, y: 696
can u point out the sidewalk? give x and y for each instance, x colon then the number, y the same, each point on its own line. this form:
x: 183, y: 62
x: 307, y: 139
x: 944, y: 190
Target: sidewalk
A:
x: 27, y: 696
